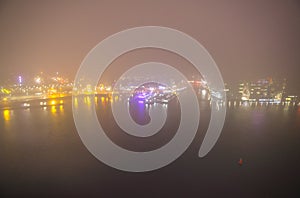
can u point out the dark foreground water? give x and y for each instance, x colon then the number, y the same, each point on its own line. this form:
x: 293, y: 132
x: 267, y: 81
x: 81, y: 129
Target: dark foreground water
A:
x: 41, y: 155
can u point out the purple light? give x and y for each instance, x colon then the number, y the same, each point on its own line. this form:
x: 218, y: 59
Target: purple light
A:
x: 20, y: 79
x: 141, y: 96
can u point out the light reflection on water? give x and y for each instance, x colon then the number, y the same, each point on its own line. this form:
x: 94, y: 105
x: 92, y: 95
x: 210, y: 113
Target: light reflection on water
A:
x: 52, y: 106
x: 53, y: 109
x: 139, y: 111
x: 103, y: 100
x: 61, y: 108
x: 56, y: 109
x: 7, y: 115
x: 75, y: 102
x: 258, y: 111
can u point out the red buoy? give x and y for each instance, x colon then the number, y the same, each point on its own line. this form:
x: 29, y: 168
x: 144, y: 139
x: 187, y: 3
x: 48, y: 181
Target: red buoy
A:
x: 240, y: 162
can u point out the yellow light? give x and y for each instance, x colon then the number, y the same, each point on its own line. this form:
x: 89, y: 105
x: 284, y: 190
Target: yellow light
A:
x: 61, y: 108
x: 88, y: 101
x: 61, y: 102
x: 53, y: 102
x: 4, y: 99
x: 53, y: 109
x: 76, y: 102
x: 6, y: 91
x: 6, y: 115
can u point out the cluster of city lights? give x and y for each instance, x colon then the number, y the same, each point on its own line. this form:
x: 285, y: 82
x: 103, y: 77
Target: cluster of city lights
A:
x: 151, y: 93
x: 261, y: 91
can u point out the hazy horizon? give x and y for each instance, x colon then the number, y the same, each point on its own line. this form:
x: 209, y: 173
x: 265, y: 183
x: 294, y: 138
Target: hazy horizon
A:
x: 248, y: 39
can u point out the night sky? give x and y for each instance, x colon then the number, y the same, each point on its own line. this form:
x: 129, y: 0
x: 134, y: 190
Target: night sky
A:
x: 248, y: 39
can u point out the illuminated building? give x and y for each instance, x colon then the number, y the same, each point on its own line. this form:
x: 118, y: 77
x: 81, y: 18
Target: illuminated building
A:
x: 267, y: 90
x: 152, y: 92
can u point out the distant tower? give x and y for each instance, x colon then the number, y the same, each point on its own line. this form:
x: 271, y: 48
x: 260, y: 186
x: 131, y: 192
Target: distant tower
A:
x: 20, y: 80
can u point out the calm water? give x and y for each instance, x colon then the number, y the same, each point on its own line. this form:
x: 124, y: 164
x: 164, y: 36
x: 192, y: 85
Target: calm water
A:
x: 42, y: 155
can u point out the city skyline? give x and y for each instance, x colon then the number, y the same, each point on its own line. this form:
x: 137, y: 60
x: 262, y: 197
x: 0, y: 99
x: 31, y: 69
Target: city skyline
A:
x: 248, y: 40
x: 44, y: 85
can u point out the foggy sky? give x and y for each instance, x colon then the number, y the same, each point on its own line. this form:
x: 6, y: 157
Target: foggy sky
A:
x: 248, y: 39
